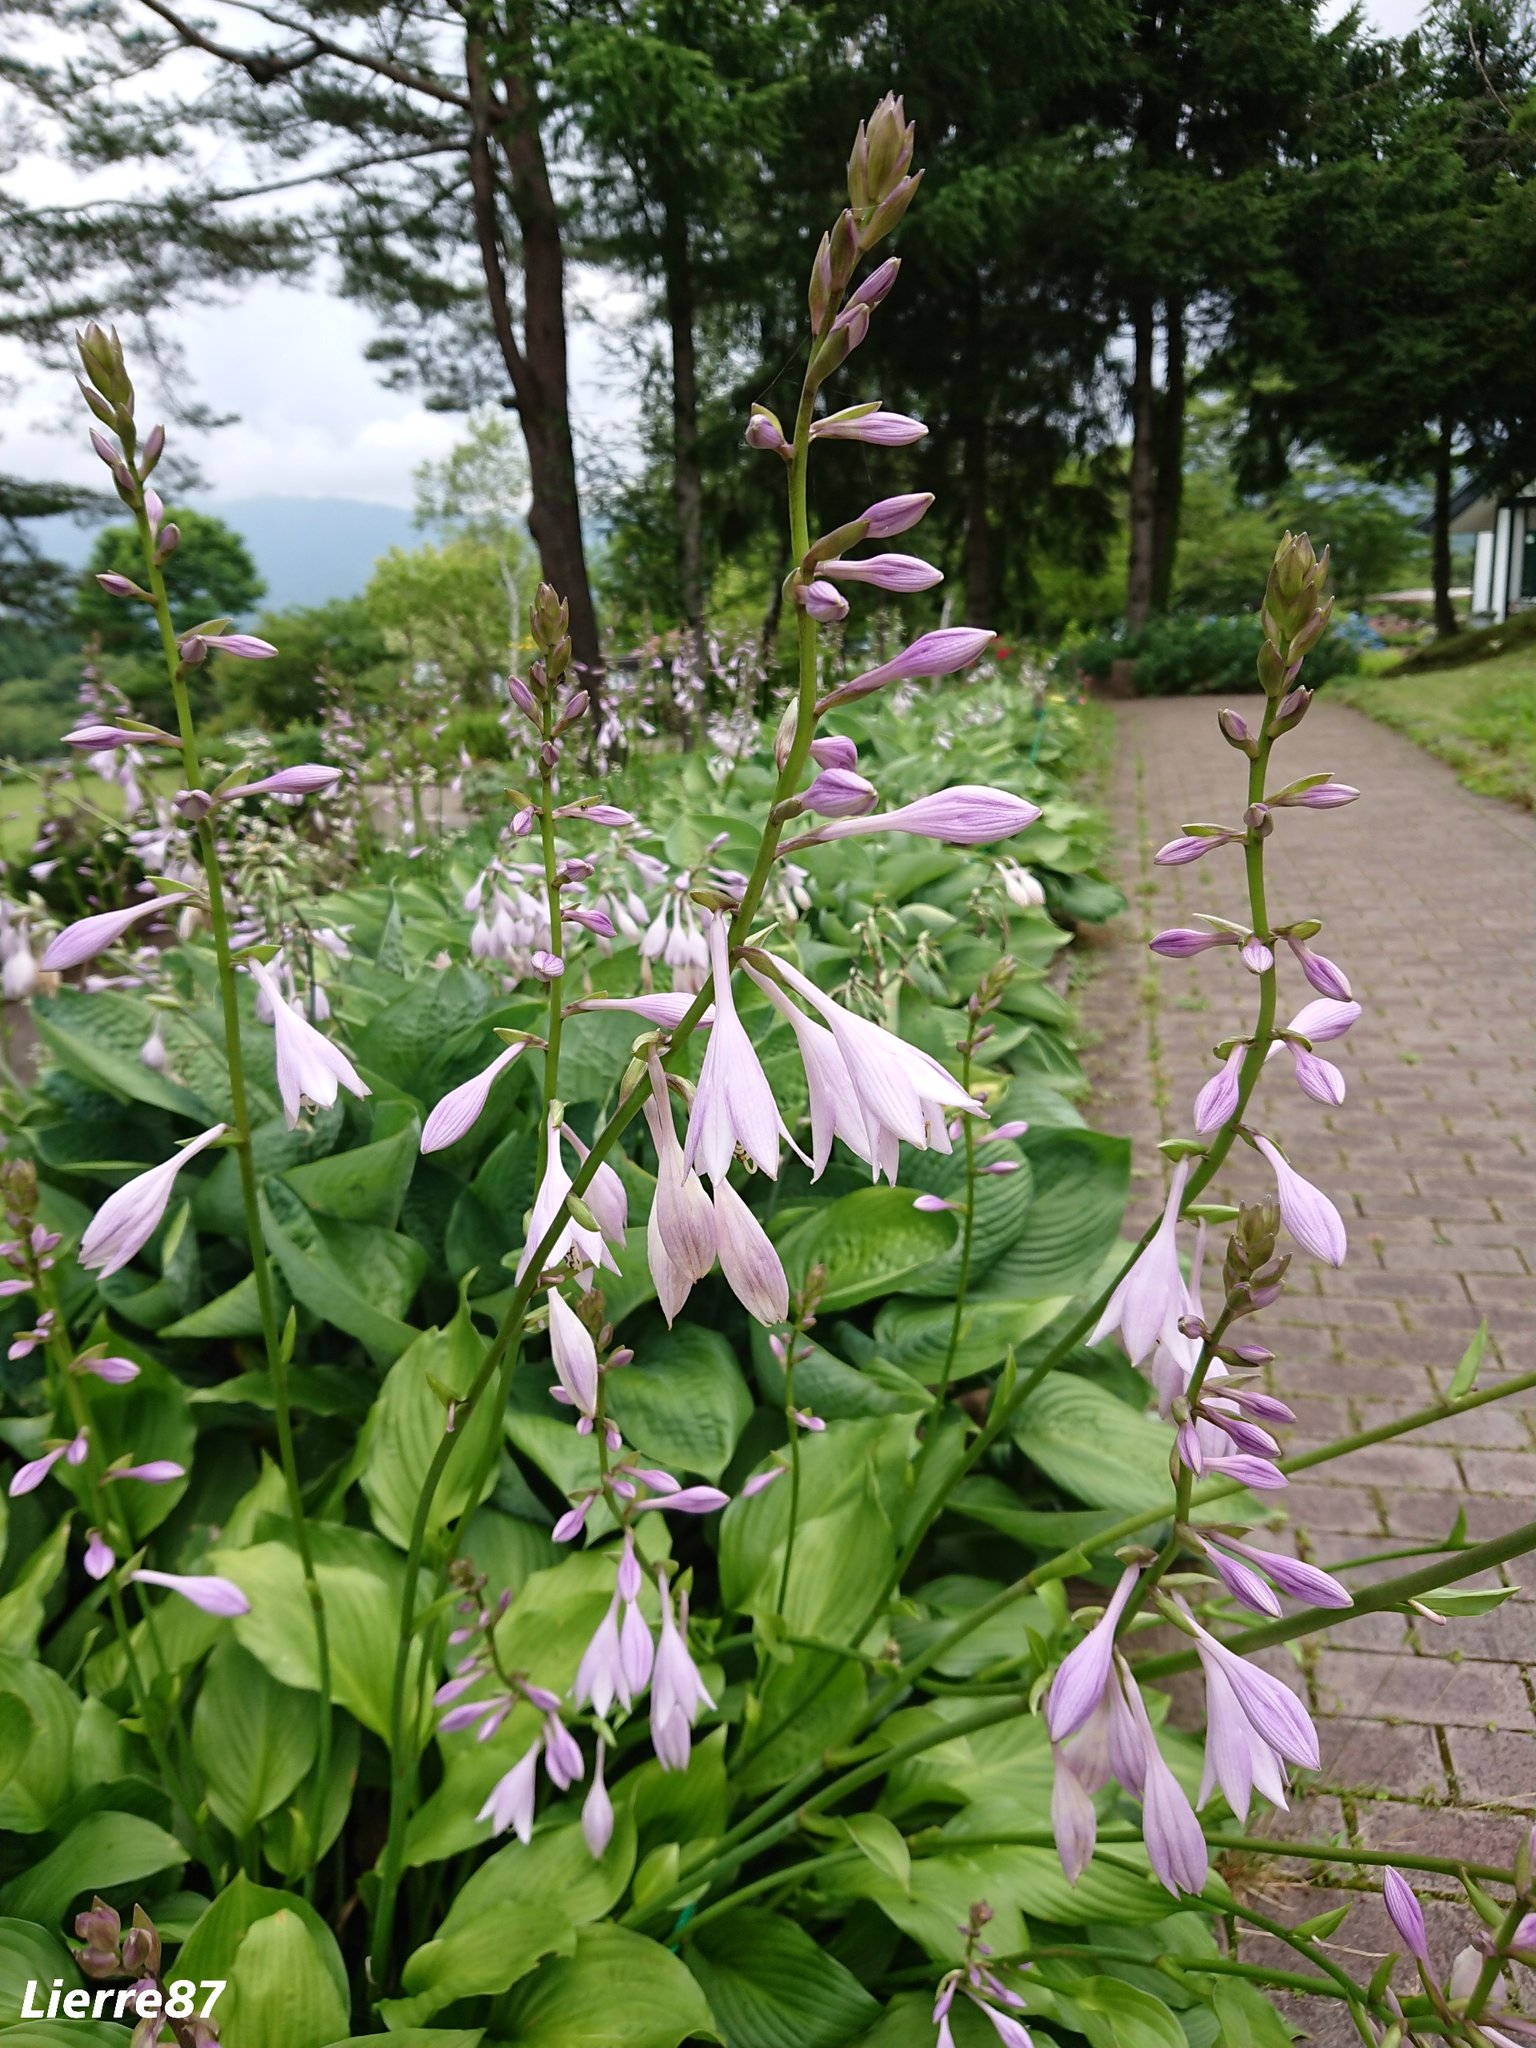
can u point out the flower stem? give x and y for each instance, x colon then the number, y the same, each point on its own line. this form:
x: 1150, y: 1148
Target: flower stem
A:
x: 272, y: 1338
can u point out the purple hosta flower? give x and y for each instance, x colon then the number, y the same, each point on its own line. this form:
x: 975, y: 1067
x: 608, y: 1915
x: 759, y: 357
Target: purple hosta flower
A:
x: 243, y: 646
x: 889, y: 516
x: 118, y: 585
x: 833, y: 1099
x: 1192, y: 846
x: 601, y: 1677
x: 734, y: 1103
x: 688, y: 1500
x: 871, y: 423
x: 604, y: 1193
x: 304, y: 780
x: 597, y: 814
x: 575, y: 1357
x: 31, y: 1476
x: 886, y: 572
x: 1271, y: 1717
x: 214, y: 1595
x: 761, y: 1481
x: 1256, y: 956
x: 901, y: 1093
x: 935, y: 1205
x: 1322, y: 796
x: 966, y: 815
x: 546, y: 965
x: 831, y: 750
x: 597, y: 1811
x: 1293, y: 1575
x: 1081, y: 1679
x: 309, y: 1066
x: 1179, y: 942
x: 128, y: 1218
x: 89, y: 936
x: 765, y: 432
x: 665, y: 1010
x: 1116, y: 1740
x: 563, y: 1760
x: 595, y: 921
x: 823, y: 601
x: 1174, y: 1838
x: 575, y: 1244
x: 99, y: 1555
x: 1217, y: 1100
x: 1406, y: 1914
x: 156, y: 1472
x: 839, y: 793
x: 636, y: 1648
x: 512, y: 1798
x: 940, y: 653
x: 1149, y: 1302
x: 1318, y: 1021
x: 456, y: 1114
x: 1324, y: 976
x: 1306, y: 1211
x: 27, y: 1342
x: 677, y: 1690
x: 680, y: 1234
x: 752, y: 1268
x: 1023, y: 889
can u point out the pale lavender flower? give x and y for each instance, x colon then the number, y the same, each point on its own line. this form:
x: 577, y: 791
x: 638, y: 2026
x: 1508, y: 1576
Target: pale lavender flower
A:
x: 1271, y: 1709
x: 459, y: 1109
x: 823, y: 601
x: 243, y: 646
x: 1256, y: 956
x: 886, y: 572
x: 760, y: 1481
x: 831, y: 750
x: 1325, y: 977
x: 117, y: 585
x: 512, y: 1798
x: 1218, y: 1098
x: 309, y: 1066
x: 89, y: 936
x: 688, y: 1500
x: 156, y: 1472
x: 677, y: 1690
x: 1236, y: 1757
x: 1180, y: 852
x: 546, y: 965
x: 304, y: 780
x: 664, y: 1009
x: 834, y: 1105
x: 752, y: 1268
x: 1292, y: 1575
x: 839, y: 793
x: 597, y: 814
x: 96, y: 738
x: 1324, y: 1019
x: 1179, y: 942
x: 889, y: 516
x: 1406, y: 1914
x: 1080, y: 1680
x: 935, y: 1205
x: 604, y: 1194
x: 1023, y: 889
x: 562, y: 1754
x: 871, y: 423
x: 99, y: 1555
x: 939, y: 653
x: 680, y: 1233
x: 30, y: 1476
x: 1147, y: 1305
x: 214, y: 1595
x: 967, y: 814
x: 734, y: 1103
x: 600, y: 1677
x: 597, y: 1811
x: 575, y: 1355
x: 1305, y: 1210
x: 575, y: 1243
x: 1317, y: 1077
x: 1322, y: 796
x: 902, y: 1093
x: 877, y: 286
x: 1174, y: 1839
x: 128, y: 1218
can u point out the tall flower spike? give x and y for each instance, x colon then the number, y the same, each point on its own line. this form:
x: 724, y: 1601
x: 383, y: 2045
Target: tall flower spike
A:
x: 734, y: 1103
x: 128, y: 1218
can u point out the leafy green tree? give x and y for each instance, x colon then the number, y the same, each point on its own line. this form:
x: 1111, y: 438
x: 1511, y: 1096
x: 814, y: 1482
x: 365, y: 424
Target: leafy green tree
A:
x: 342, y: 639
x: 210, y: 575
x: 457, y: 607
x: 479, y: 486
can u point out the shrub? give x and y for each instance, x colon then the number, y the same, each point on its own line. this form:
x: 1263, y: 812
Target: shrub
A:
x: 1179, y: 655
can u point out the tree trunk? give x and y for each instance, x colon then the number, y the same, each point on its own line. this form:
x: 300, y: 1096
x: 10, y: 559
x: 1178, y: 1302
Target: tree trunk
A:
x: 537, y: 369
x: 1138, y: 583
x: 1445, y: 610
x: 1168, y: 488
x: 687, y: 479
x: 978, y: 539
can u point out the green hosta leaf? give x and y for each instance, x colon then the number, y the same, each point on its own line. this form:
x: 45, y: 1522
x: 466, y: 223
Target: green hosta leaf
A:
x: 22, y: 1613
x: 1114, y: 2014
x: 39, y: 1783
x: 252, y: 1739
x: 213, y: 1946
x: 618, y: 1991
x: 843, y: 1543
x: 366, y: 1185
x: 679, y: 1806
x: 98, y: 1038
x: 149, y: 1418
x: 687, y: 1406
x: 1094, y: 1446
x: 1081, y: 1179
x: 934, y: 1909
x: 361, y: 1580
x: 1003, y: 1203
x: 1245, y: 2018
x: 353, y: 1275
x: 282, y: 1991
x: 870, y: 1242
x: 406, y: 1427
x: 484, y: 1955
x: 65, y: 2034
x: 416, y: 2037
x: 770, y: 1985
x: 287, y: 1834
x: 803, y: 1709
x: 402, y: 1040
x: 883, y: 1843
x: 916, y: 1334
x: 102, y: 1850
x: 235, y: 1313
x: 30, y: 1954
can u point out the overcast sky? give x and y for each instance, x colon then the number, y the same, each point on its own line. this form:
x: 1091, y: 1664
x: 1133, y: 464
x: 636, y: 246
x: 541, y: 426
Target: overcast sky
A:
x: 314, y: 419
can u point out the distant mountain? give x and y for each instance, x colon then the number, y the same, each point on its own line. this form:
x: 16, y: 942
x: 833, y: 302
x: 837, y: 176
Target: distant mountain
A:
x: 307, y: 549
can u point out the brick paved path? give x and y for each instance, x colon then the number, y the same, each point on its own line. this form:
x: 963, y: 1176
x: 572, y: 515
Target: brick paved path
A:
x: 1429, y: 896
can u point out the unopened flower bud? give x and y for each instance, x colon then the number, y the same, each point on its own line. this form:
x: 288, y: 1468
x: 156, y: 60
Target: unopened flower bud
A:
x: 575, y: 707
x: 549, y: 755
x: 1234, y: 730
x: 887, y: 215
x: 523, y: 697
x: 819, y: 293
x: 119, y: 586
x: 764, y: 431
x: 193, y: 650
x: 141, y: 1946
x: 153, y: 449
x: 169, y: 542
x: 550, y: 618
x: 1258, y: 820
x: 844, y: 249
x: 877, y: 286
x: 1291, y: 709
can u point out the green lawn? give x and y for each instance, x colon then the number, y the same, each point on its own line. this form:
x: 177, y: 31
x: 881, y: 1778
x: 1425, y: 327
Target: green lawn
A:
x: 1480, y: 719
x: 20, y: 802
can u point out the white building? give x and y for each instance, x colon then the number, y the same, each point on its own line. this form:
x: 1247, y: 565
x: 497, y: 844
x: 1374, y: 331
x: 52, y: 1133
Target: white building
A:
x: 1504, y: 561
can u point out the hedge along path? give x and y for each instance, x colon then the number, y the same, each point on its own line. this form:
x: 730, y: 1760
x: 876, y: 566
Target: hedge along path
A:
x: 1428, y: 1734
